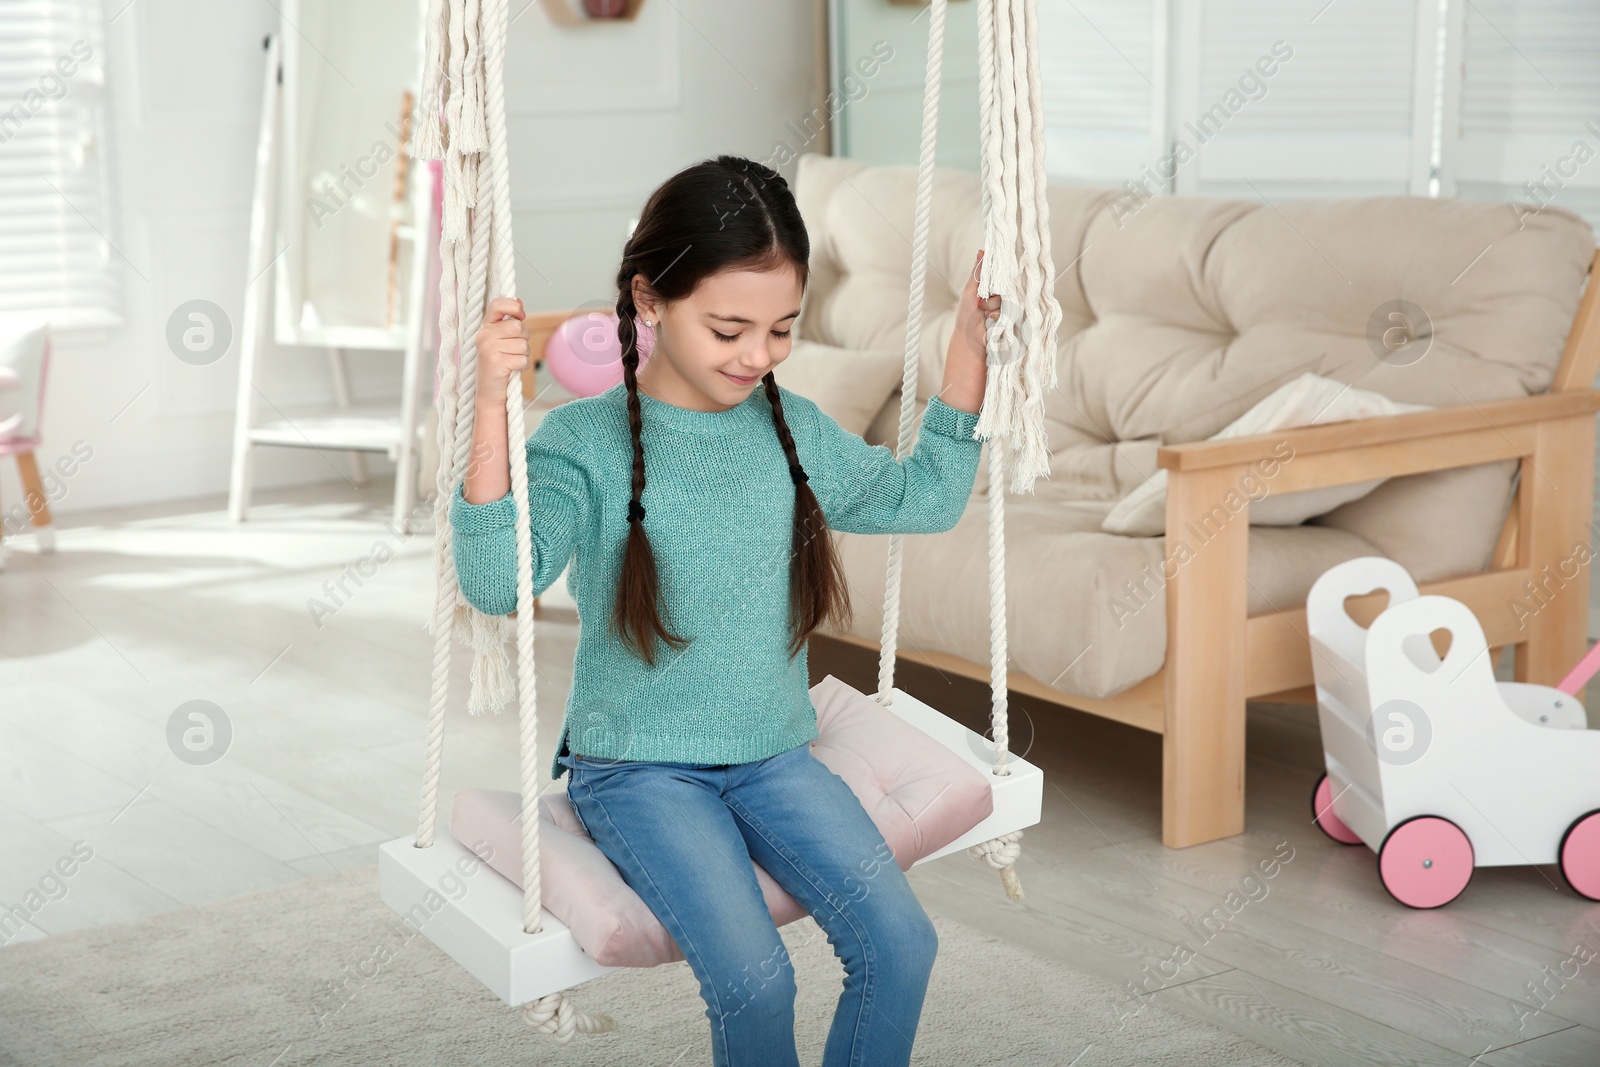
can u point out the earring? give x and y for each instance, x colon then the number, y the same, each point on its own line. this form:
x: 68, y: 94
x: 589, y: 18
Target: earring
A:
x: 647, y: 322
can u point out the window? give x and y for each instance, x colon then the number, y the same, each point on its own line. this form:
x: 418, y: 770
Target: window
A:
x: 1523, y: 124
x: 1490, y: 99
x: 1103, y: 78
x: 57, y: 254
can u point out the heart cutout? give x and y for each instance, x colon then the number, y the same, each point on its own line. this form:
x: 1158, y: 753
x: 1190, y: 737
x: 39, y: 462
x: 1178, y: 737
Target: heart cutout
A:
x: 1427, y: 652
x: 1364, y: 607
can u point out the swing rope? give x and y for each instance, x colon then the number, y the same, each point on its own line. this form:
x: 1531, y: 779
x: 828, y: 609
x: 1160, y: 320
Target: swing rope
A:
x: 465, y: 65
x: 1020, y: 345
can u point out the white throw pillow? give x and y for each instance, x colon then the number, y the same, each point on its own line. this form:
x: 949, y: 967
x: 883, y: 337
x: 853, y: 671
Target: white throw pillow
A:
x: 1309, y: 400
x: 850, y: 384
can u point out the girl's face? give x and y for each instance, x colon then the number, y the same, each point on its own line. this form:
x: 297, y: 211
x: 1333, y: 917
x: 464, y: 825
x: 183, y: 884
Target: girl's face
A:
x: 713, y: 346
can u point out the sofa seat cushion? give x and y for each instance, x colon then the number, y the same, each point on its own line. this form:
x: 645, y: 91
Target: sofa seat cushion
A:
x: 920, y: 795
x: 1086, y: 610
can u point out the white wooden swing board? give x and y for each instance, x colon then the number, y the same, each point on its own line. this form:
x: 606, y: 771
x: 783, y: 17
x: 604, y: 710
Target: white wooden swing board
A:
x: 476, y: 920
x: 474, y: 915
x: 1018, y: 796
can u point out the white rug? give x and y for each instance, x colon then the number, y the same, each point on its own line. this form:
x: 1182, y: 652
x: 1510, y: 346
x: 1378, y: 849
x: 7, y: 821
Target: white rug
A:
x: 320, y: 972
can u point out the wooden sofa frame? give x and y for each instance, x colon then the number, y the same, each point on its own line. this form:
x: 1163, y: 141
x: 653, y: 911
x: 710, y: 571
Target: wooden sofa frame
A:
x: 1219, y: 656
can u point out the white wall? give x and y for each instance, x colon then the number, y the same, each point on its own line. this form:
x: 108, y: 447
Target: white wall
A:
x: 598, y: 115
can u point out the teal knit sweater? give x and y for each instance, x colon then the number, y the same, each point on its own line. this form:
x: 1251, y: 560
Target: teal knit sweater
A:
x: 719, y: 505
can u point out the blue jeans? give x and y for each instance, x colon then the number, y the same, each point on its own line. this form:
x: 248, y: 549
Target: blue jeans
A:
x: 682, y: 835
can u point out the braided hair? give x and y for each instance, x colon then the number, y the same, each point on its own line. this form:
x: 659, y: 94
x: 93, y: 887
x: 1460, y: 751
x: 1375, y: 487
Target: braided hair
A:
x: 719, y: 214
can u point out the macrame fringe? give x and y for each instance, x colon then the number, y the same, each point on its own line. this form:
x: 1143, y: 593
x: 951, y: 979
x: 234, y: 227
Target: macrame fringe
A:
x: 474, y: 137
x: 492, y: 686
x: 429, y: 140
x: 1017, y: 261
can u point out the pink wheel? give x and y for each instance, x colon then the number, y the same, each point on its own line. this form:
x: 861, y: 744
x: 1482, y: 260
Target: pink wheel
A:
x: 1580, y: 854
x: 1322, y: 814
x: 1425, y: 861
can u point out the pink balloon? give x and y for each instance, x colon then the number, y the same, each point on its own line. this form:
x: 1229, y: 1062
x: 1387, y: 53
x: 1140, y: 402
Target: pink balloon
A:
x: 583, y: 353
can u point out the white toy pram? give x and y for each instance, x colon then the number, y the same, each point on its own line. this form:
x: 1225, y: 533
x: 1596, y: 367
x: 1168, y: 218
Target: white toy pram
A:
x: 1455, y: 770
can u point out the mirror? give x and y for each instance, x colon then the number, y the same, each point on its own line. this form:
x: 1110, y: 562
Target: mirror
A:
x: 348, y: 192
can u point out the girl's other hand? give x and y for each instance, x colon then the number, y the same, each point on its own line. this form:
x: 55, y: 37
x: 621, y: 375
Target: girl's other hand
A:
x: 973, y: 316
x: 502, y: 349
x: 966, y: 361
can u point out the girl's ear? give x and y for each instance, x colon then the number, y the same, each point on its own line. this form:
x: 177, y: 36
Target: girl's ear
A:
x: 644, y: 298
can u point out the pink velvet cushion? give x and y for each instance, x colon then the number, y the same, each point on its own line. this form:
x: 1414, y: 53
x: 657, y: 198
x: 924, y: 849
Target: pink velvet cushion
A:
x: 920, y: 794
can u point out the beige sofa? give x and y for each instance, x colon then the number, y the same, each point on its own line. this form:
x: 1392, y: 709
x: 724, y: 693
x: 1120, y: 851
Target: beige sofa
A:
x: 1179, y: 315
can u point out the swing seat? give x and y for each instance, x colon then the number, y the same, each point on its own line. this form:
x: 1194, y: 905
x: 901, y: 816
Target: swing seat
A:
x: 925, y: 779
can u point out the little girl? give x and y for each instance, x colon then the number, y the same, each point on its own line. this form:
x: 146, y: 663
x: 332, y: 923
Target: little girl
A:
x: 691, y: 760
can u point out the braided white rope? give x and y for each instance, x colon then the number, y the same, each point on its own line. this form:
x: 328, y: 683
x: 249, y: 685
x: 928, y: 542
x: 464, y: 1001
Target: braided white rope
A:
x: 1020, y: 343
x: 503, y: 280
x: 989, y: 175
x: 446, y: 592
x: 466, y: 61
x: 908, y: 384
x: 430, y: 144
x: 1003, y: 852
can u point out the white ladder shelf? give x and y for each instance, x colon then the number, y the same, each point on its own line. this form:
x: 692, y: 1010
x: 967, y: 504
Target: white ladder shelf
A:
x: 344, y: 425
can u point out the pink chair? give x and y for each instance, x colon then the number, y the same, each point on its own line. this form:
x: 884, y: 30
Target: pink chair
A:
x: 24, y: 359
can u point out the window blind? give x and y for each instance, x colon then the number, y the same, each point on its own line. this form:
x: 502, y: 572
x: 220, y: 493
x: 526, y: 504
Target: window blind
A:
x: 58, y: 259
x: 1527, y: 124
x: 1299, y: 99
x: 1102, y: 74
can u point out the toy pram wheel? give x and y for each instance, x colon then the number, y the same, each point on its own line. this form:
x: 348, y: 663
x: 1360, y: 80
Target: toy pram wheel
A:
x: 1322, y: 814
x: 1425, y: 861
x: 1580, y: 854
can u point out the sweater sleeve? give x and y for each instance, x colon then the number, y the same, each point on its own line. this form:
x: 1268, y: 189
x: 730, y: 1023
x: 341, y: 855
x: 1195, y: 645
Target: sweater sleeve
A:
x: 865, y: 489
x: 560, y: 502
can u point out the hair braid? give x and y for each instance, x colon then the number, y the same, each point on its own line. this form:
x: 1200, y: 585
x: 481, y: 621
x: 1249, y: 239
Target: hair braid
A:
x: 818, y: 589
x: 640, y: 582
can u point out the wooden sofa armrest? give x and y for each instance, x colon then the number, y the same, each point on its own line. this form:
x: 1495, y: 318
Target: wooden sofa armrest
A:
x: 1217, y: 656
x: 1335, y: 453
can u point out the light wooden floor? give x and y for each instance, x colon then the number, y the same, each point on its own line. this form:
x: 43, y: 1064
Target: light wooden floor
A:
x: 141, y: 611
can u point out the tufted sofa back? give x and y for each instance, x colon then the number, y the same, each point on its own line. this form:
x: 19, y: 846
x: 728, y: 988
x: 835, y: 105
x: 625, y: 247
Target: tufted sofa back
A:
x: 1180, y: 313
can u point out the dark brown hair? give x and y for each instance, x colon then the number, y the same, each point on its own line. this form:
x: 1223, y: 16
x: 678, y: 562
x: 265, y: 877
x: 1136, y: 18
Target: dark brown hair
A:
x: 720, y: 214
